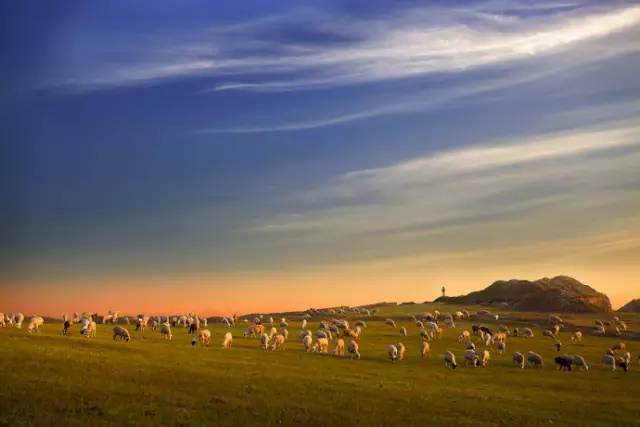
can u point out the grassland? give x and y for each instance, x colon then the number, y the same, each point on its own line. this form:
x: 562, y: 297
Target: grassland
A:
x: 50, y: 379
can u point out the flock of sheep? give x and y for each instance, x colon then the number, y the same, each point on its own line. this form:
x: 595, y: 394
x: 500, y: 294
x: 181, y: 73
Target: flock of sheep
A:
x: 273, y: 335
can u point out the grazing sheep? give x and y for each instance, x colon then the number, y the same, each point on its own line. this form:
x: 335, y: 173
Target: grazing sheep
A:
x: 464, y: 336
x: 576, y: 337
x: 141, y: 324
x: 390, y: 322
x: 307, y: 342
x: 450, y: 360
x: 564, y: 362
x: 503, y: 329
x: 425, y: 335
x: 527, y: 333
x: 165, y: 331
x: 515, y: 332
x: 277, y: 342
x: 264, y: 341
x: 557, y: 344
x: 339, y: 348
x: 304, y: 323
x: 470, y: 346
x: 535, y: 359
x: 519, y: 359
x: 470, y: 356
x: 580, y: 362
x: 627, y: 358
x: 501, y: 346
x: 353, y: 349
x: 619, y: 346
x: 401, y: 350
x: 403, y: 331
x: 285, y: 332
x: 555, y: 320
x: 88, y: 328
x: 320, y: 346
x: 226, y: 340
x: 361, y: 323
x: 419, y: 324
x: 609, y: 360
x: 204, y: 337
x: 600, y: 331
x: 254, y: 330
x: 122, y: 333
x: 18, y: 319
x: 424, y: 349
x: 35, y: 323
x: 392, y: 351
x: 500, y: 337
x: 548, y: 333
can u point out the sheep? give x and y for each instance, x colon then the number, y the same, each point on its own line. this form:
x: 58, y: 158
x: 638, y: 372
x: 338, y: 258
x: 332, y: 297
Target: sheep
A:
x: 390, y: 322
x: 535, y: 359
x: 226, y: 340
x: 485, y: 358
x: 304, y: 323
x: 403, y: 331
x: 519, y: 359
x: 425, y: 335
x: 501, y: 346
x: 609, y: 360
x: 470, y: 356
x: 193, y: 328
x: 619, y: 346
x: 464, y: 336
x: 339, y: 348
x: 361, y: 323
x: 503, y: 329
x: 18, y: 319
x: 165, y: 331
x: 557, y: 344
x: 599, y: 331
x: 353, y: 349
x: 450, y: 360
x: 277, y: 342
x: 141, y: 324
x: 285, y: 332
x: 307, y: 342
x: 627, y: 358
x: 204, y: 337
x: 66, y: 327
x: 35, y: 323
x: 527, y: 333
x: 555, y: 320
x: 122, y: 333
x: 564, y: 362
x: 419, y: 324
x: 576, y: 336
x: 580, y: 362
x: 500, y: 337
x: 425, y: 348
x: 392, y: 352
x: 254, y: 330
x: 3, y: 322
x: 401, y: 350
x: 88, y: 328
x: 283, y: 323
x: 321, y: 345
x: 556, y: 329
x: 470, y: 346
x: 548, y: 333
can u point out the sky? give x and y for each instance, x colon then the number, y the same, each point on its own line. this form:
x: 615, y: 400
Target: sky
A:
x: 216, y: 157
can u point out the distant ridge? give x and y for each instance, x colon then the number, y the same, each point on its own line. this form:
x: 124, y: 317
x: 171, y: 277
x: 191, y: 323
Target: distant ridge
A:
x: 559, y: 294
x: 632, y: 306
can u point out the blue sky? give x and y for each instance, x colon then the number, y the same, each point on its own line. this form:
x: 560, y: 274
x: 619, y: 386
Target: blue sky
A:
x: 319, y: 143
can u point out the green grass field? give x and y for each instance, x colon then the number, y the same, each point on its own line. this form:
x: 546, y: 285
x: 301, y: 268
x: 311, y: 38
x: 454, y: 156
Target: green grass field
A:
x: 50, y: 379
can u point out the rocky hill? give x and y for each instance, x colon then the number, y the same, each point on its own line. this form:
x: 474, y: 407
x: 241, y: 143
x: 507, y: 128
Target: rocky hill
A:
x: 559, y: 294
x: 632, y: 306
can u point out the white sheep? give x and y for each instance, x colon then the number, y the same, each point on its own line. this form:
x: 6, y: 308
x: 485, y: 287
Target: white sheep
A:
x: 450, y: 360
x: 165, y: 331
x: 226, y: 340
x: 464, y: 336
x: 580, y: 362
x: 403, y: 331
x: 35, y: 323
x: 392, y: 351
x: 277, y: 342
x: 501, y: 346
x: 535, y: 359
x: 264, y: 341
x: 307, y: 342
x: 321, y: 345
x: 470, y: 356
x: 18, y: 319
x: 122, y: 333
x: 88, y: 328
x: 527, y: 333
x: 425, y: 348
x: 609, y: 360
x: 339, y: 348
x: 401, y: 350
x: 353, y: 349
x: 204, y: 337
x: 484, y: 359
x: 304, y: 323
x: 576, y: 336
x: 285, y: 332
x: 390, y: 322
x: 519, y: 359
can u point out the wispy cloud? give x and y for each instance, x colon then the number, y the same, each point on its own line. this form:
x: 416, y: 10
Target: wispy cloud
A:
x: 349, y: 50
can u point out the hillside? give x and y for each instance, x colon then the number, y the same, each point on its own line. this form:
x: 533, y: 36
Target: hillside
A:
x: 632, y: 306
x: 559, y: 294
